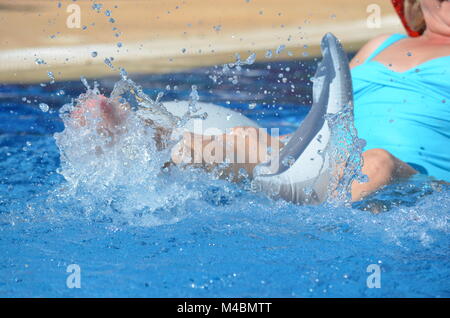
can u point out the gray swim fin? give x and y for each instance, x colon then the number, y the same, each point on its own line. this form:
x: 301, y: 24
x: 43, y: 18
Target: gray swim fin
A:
x: 301, y: 172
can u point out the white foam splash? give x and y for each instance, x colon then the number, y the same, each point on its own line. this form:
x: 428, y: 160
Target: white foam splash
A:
x: 345, y: 151
x: 122, y: 171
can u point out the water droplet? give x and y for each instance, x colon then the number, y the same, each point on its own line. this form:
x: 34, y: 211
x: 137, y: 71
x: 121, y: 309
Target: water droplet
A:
x: 94, y: 54
x: 319, y: 138
x: 85, y: 82
x: 268, y: 54
x: 123, y: 74
x: 51, y: 76
x: 250, y: 59
x: 39, y: 61
x: 108, y: 62
x: 242, y: 173
x: 288, y: 161
x: 280, y: 48
x: 97, y: 6
x: 44, y: 107
x: 193, y: 99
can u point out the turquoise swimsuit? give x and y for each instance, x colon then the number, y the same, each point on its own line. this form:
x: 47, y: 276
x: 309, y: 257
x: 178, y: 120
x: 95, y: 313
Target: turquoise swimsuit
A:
x: 406, y: 113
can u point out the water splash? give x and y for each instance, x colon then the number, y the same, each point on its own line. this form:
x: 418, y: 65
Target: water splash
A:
x: 121, y: 173
x: 345, y: 151
x: 127, y: 182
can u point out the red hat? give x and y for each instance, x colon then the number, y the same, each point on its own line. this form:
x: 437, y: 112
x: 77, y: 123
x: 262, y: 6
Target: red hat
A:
x: 399, y: 6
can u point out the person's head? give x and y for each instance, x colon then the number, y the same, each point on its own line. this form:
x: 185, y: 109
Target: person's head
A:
x: 433, y: 15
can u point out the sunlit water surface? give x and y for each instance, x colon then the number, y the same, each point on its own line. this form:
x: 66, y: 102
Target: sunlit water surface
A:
x: 137, y: 232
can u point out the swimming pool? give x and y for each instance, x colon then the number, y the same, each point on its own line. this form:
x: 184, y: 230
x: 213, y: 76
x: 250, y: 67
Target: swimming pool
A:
x: 189, y: 235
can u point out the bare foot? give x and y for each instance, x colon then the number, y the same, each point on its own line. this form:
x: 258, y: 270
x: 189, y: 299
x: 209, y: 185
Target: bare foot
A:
x: 111, y: 113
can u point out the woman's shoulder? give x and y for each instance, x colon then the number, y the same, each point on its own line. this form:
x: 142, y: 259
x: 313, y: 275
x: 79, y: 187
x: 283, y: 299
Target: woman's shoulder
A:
x: 368, y: 49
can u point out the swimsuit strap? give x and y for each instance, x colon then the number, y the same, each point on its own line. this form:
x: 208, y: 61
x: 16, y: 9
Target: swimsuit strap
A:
x: 388, y: 42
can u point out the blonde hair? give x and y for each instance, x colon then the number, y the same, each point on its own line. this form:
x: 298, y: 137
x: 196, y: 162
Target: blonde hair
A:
x: 414, y: 16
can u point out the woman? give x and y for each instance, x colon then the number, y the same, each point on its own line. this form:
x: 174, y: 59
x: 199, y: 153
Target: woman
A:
x: 402, y: 95
x: 402, y: 104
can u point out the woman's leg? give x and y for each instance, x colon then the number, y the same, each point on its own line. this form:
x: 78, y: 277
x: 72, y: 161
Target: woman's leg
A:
x: 242, y: 148
x: 381, y: 167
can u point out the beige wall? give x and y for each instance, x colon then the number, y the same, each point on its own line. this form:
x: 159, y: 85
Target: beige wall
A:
x: 155, y: 32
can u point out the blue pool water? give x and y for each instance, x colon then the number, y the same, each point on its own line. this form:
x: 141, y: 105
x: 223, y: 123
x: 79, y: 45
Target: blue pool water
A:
x: 186, y: 234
